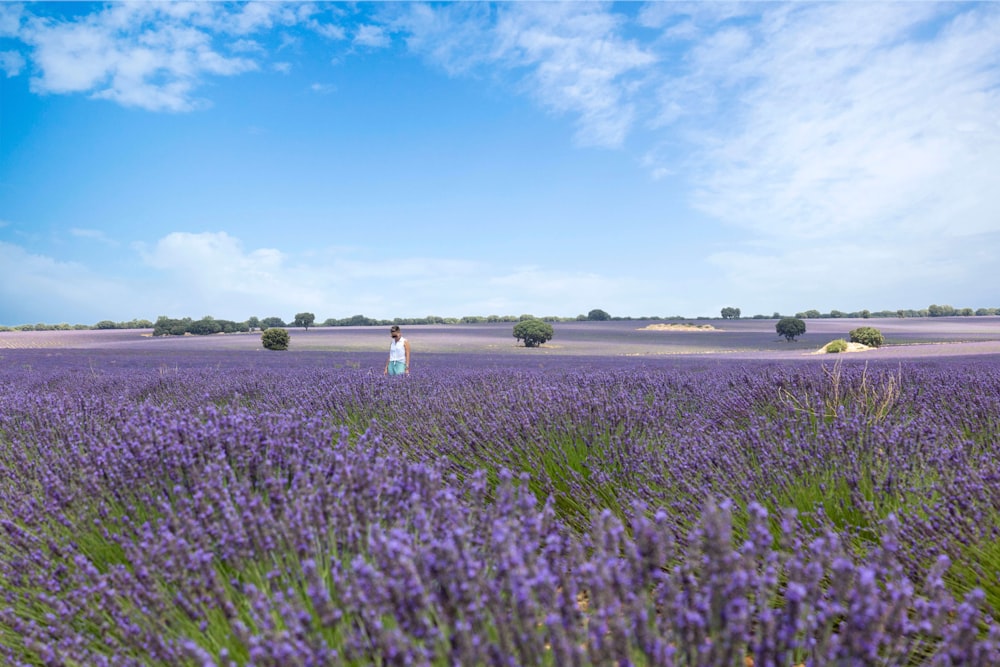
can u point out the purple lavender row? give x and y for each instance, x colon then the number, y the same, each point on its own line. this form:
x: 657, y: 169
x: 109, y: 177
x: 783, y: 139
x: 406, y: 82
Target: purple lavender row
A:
x: 227, y: 511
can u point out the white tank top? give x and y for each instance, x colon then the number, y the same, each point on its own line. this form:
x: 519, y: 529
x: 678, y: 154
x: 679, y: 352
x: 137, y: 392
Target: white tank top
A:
x: 397, y: 350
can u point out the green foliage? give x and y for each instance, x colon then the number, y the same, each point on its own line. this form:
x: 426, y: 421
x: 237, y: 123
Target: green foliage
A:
x: 729, y: 313
x: 304, y: 320
x: 935, y: 310
x: 790, y: 327
x: 598, y: 315
x: 835, y: 346
x: 533, y: 332
x: 869, y: 336
x: 205, y: 327
x: 269, y: 322
x: 275, y: 339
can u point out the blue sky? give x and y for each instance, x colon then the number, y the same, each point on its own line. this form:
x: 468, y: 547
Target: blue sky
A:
x: 451, y: 159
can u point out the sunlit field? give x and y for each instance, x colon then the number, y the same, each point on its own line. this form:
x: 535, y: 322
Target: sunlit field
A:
x: 617, y: 496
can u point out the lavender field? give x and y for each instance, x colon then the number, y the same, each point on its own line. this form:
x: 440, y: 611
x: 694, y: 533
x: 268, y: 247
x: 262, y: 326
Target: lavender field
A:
x: 615, y: 498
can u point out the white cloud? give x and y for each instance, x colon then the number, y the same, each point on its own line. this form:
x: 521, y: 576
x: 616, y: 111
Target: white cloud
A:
x: 282, y: 67
x: 839, y: 121
x: 147, y: 55
x: 329, y: 30
x: 11, y: 63
x: 571, y: 57
x: 372, y: 36
x: 323, y: 88
x: 10, y: 19
x: 851, y: 139
x: 94, y: 235
x: 193, y: 274
x: 37, y: 288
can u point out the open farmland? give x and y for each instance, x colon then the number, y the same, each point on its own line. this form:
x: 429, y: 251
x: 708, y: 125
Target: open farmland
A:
x: 618, y: 496
x: 738, y: 338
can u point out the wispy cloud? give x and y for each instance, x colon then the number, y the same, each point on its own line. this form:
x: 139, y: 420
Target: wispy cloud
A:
x: 207, y: 269
x: 45, y: 285
x: 371, y: 36
x: 94, y: 235
x: 323, y: 88
x: 571, y: 57
x: 147, y: 55
x: 811, y: 123
x: 11, y: 63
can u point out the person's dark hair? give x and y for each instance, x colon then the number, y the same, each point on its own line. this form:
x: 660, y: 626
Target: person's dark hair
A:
x: 394, y: 327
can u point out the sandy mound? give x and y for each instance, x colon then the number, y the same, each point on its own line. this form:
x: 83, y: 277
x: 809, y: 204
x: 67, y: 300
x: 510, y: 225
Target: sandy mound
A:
x: 851, y: 347
x: 678, y: 327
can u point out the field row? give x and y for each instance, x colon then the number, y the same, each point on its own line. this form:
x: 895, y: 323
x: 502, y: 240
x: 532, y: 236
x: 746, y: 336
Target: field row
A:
x: 276, y: 509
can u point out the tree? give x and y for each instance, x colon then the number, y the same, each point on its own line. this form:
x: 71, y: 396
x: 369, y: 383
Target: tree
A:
x: 533, y: 332
x: 275, y: 339
x: 304, y: 320
x: 253, y: 323
x: 935, y: 310
x: 869, y: 336
x: 790, y: 327
x: 729, y: 313
x: 204, y: 327
x: 598, y: 315
x: 269, y: 322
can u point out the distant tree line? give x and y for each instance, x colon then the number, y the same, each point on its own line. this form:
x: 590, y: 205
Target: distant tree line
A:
x: 209, y: 325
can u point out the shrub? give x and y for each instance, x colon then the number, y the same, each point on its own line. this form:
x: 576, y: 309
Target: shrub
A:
x: 275, y: 339
x: 869, y: 336
x: 790, y: 327
x: 835, y: 346
x: 533, y: 332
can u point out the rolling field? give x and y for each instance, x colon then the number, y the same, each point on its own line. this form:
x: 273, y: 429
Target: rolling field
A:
x: 616, y: 497
x: 738, y: 338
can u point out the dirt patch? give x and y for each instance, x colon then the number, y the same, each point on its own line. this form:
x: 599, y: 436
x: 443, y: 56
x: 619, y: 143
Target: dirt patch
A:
x: 851, y: 347
x: 678, y: 327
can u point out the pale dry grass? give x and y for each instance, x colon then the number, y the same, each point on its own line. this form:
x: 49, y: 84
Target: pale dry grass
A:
x: 677, y: 327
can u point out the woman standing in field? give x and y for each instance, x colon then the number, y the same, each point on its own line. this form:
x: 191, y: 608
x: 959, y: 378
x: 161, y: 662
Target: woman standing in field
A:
x: 399, y: 354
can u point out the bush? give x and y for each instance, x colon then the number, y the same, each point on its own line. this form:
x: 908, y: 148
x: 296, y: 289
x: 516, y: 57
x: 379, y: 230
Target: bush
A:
x: 275, y: 339
x: 835, y: 346
x: 869, y: 336
x: 533, y: 332
x: 790, y: 327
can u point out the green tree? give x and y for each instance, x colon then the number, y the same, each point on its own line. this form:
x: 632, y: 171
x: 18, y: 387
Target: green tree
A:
x: 869, y: 336
x: 304, y: 320
x: 275, y: 338
x: 599, y: 315
x: 253, y: 323
x: 730, y: 313
x: 205, y: 326
x: 269, y: 322
x: 533, y: 332
x: 790, y: 327
x: 935, y: 310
